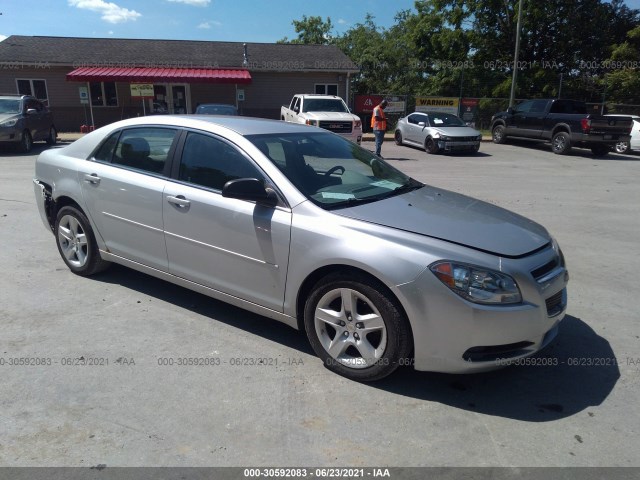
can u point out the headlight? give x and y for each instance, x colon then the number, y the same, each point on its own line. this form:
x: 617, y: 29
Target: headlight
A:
x: 476, y: 284
x: 445, y: 138
x: 479, y: 138
x: 357, y: 124
x: 312, y: 122
x: 9, y: 123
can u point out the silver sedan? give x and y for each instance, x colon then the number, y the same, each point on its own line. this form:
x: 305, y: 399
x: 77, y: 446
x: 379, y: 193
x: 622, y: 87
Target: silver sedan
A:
x: 302, y: 226
x: 437, y: 132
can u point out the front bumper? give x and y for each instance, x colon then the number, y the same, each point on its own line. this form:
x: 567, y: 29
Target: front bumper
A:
x: 43, y: 201
x: 459, y: 145
x: 453, y: 335
x: 8, y: 135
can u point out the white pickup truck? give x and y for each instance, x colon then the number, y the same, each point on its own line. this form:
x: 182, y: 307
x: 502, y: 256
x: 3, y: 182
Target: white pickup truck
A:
x: 324, y: 111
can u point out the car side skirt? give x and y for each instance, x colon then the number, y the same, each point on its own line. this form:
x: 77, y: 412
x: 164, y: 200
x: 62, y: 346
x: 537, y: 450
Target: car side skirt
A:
x: 210, y: 292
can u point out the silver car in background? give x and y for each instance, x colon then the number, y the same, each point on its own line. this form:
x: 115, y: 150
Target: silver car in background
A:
x: 437, y: 132
x: 302, y: 226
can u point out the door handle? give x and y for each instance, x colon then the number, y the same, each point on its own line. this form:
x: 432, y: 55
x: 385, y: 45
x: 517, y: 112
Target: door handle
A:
x: 179, y: 201
x: 93, y: 178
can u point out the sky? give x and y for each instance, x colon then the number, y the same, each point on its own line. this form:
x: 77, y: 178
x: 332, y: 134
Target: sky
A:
x: 217, y: 20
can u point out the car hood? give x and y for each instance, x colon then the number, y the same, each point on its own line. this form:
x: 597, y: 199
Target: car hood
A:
x: 455, y: 218
x: 457, y: 131
x: 7, y: 116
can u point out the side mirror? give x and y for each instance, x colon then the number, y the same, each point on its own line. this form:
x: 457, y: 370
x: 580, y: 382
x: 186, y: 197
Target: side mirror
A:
x: 422, y: 124
x: 511, y: 110
x: 250, y: 189
x: 31, y: 111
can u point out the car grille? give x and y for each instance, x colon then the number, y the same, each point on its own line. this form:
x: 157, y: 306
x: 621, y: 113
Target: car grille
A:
x: 337, y: 127
x: 555, y: 303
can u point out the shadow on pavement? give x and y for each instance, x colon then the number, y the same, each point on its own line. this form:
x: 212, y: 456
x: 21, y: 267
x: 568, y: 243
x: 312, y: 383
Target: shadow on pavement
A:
x: 575, y: 152
x: 577, y: 371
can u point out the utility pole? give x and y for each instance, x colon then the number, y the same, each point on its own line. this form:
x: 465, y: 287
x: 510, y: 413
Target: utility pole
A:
x: 515, y: 57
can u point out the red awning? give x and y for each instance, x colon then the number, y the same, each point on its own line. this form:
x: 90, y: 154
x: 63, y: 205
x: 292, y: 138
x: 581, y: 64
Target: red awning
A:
x: 158, y: 75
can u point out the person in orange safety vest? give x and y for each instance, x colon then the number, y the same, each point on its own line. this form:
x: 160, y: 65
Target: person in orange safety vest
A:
x: 379, y: 125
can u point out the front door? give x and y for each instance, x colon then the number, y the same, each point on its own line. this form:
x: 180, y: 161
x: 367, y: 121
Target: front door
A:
x: 234, y: 246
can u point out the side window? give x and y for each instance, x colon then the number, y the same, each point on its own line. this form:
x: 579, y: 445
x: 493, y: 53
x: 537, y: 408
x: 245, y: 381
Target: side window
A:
x: 413, y: 119
x: 211, y: 163
x: 524, y: 107
x: 144, y: 149
x: 105, y: 152
x: 539, y: 106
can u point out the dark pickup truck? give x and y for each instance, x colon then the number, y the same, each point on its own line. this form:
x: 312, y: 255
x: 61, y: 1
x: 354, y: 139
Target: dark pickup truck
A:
x: 565, y: 123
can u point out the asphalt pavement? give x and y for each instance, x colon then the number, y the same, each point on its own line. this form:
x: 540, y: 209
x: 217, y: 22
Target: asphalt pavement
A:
x: 100, y: 384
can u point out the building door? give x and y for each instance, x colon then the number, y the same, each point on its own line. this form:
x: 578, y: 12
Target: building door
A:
x: 170, y: 98
x: 179, y: 99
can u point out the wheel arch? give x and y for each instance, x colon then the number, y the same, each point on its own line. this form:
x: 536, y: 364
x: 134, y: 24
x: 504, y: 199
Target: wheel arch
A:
x: 314, y: 277
x: 561, y: 127
x: 61, y: 202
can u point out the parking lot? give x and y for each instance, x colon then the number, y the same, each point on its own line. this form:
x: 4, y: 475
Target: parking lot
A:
x: 269, y: 401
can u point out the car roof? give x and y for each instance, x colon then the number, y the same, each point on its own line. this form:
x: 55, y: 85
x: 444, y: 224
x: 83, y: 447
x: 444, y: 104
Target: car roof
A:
x: 240, y: 125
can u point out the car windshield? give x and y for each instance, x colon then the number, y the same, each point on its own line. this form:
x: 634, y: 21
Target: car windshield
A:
x: 216, y: 110
x: 331, y: 171
x: 324, y: 105
x: 445, y: 120
x: 9, y: 105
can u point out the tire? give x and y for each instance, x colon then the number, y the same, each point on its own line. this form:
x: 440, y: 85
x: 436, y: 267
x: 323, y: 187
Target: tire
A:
x: 561, y: 143
x: 430, y: 146
x: 622, y: 147
x: 498, y: 134
x: 600, y: 150
x: 52, y: 139
x: 77, y: 243
x: 398, y: 137
x: 340, y: 338
x: 26, y: 142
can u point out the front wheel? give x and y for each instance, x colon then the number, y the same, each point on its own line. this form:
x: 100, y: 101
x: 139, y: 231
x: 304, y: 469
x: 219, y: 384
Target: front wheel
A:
x: 26, y: 143
x: 53, y: 136
x: 355, y: 328
x: 561, y: 143
x: 77, y: 243
x: 622, y: 147
x: 431, y: 146
x: 498, y: 134
x: 398, y: 137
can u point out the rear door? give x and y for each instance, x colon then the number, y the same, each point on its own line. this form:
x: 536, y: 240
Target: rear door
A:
x: 123, y: 185
x: 233, y: 246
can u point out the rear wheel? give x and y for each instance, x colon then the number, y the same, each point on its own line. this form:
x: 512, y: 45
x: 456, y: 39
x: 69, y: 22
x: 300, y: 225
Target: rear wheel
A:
x: 561, y: 143
x: 77, y: 243
x: 497, y: 134
x: 431, y: 146
x: 398, y: 137
x: 355, y: 328
x: 26, y: 143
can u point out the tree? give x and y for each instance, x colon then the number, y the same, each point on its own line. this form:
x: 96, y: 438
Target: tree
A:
x: 311, y: 31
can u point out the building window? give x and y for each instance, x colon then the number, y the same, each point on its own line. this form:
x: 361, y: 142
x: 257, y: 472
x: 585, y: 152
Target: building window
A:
x: 103, y: 94
x: 35, y: 88
x: 327, y: 88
